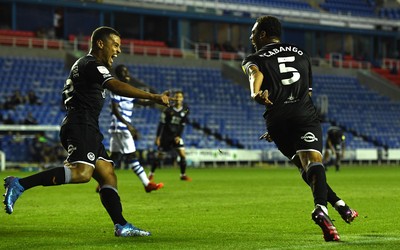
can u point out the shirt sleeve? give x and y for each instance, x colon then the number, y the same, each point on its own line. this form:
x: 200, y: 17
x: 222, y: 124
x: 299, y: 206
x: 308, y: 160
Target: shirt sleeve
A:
x: 247, y: 63
x: 98, y: 73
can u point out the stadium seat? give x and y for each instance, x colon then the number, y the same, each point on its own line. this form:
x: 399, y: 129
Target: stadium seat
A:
x: 225, y: 110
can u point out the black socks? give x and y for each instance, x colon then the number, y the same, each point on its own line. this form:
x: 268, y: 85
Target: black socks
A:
x: 51, y: 177
x: 112, y: 203
x: 317, y: 180
x: 332, y: 197
x: 182, y: 165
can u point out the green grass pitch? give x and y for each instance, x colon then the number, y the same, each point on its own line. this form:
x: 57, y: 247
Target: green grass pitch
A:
x: 222, y: 208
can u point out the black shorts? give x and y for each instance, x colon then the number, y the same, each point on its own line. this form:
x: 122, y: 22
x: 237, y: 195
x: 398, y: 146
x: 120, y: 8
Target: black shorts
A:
x: 83, y: 144
x: 337, y: 147
x: 292, y: 137
x: 167, y: 143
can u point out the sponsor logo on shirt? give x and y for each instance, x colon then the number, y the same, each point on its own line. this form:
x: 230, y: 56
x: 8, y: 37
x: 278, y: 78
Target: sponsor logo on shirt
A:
x: 71, y: 149
x: 309, y: 137
x: 103, y: 70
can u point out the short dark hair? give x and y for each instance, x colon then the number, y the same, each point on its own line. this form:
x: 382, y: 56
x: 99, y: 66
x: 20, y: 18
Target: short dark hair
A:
x: 271, y: 25
x: 102, y: 33
x: 118, y: 70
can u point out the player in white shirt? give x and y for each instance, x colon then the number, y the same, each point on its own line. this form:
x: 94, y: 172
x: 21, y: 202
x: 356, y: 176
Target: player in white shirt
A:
x: 123, y: 133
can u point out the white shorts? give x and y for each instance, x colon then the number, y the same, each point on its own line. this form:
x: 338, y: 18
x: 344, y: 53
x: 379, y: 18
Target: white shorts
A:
x: 122, y: 142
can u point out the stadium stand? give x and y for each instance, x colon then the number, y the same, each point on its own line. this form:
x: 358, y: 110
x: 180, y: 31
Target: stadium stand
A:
x: 132, y: 46
x: 390, y: 13
x: 222, y: 116
x: 360, y: 111
x: 287, y: 4
x: 222, y: 109
x: 28, y: 39
x: 390, y: 70
x: 393, y: 77
x: 354, y: 7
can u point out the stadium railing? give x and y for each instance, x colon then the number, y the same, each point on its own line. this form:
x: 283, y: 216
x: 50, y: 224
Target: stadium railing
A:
x: 391, y: 63
x: 17, y: 38
x: 130, y: 46
x: 337, y: 60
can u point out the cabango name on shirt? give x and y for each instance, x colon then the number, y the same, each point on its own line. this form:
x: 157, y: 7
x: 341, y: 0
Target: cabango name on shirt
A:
x: 275, y: 51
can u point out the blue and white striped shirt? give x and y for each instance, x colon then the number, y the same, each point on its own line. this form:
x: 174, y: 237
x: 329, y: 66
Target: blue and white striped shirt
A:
x: 125, y: 108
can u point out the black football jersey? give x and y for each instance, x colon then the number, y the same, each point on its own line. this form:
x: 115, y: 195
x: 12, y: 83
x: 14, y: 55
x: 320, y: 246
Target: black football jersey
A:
x: 287, y: 77
x: 335, y: 135
x: 83, y: 93
x: 173, y: 121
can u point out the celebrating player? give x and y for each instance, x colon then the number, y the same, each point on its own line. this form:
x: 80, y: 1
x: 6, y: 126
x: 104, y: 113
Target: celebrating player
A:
x: 280, y: 78
x: 83, y: 96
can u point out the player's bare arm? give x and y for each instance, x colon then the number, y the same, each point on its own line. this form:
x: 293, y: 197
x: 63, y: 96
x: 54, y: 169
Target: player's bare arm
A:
x: 255, y: 79
x: 146, y: 102
x: 124, y: 89
x: 157, y: 141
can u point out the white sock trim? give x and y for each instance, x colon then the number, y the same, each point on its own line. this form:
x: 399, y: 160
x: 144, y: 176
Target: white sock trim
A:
x: 110, y: 187
x: 323, y: 208
x: 67, y: 174
x: 339, y: 203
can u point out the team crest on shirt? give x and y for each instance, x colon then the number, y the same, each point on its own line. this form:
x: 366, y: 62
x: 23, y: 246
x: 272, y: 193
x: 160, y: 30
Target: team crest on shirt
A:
x: 309, y: 137
x: 90, y: 156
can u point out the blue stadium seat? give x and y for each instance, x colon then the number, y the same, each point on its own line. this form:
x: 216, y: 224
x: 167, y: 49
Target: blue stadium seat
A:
x: 359, y: 109
x: 214, y: 102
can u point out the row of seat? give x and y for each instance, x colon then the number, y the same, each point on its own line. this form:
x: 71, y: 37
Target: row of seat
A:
x: 390, y: 13
x: 223, y: 107
x: 364, y: 112
x: 354, y: 8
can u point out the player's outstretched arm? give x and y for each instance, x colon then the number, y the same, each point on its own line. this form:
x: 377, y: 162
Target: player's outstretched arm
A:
x: 124, y: 89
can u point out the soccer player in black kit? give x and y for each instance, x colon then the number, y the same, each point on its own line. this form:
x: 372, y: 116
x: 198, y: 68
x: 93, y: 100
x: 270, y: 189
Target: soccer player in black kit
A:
x: 83, y: 96
x: 169, y: 134
x: 280, y: 78
x: 335, y: 144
